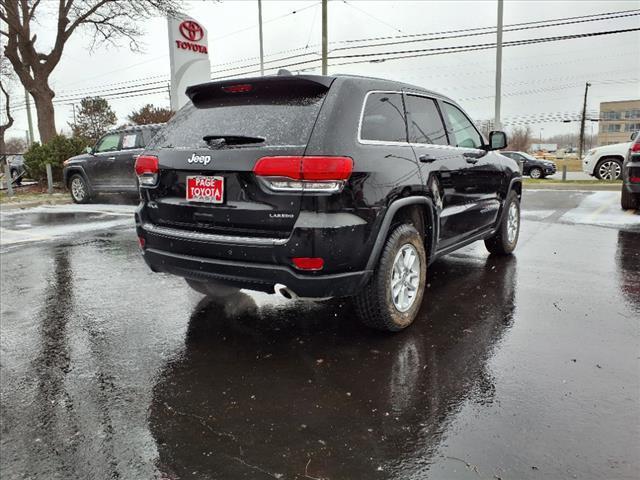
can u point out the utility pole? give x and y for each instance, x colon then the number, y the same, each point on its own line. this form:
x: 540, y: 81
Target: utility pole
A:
x: 260, y: 30
x: 73, y: 106
x: 27, y: 101
x: 324, y: 37
x: 496, y: 121
x: 582, y: 120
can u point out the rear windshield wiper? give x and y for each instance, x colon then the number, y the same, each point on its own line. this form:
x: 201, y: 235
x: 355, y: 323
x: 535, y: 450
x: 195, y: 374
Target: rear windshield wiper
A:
x: 219, y: 140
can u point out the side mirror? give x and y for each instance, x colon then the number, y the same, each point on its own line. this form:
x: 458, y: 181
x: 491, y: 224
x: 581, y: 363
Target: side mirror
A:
x: 634, y: 135
x: 497, y: 140
x: 88, y: 150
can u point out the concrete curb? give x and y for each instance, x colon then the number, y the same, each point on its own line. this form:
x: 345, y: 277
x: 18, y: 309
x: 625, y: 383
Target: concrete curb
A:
x: 608, y: 187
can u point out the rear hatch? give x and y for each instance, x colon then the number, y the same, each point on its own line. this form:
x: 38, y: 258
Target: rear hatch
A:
x: 219, y: 137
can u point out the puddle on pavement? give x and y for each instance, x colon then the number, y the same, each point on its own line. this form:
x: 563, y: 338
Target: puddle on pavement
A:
x: 45, y: 219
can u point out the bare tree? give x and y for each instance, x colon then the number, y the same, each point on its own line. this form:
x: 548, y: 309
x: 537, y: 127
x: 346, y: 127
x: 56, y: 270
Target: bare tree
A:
x: 15, y: 145
x: 109, y: 20
x: 519, y: 139
x: 5, y: 77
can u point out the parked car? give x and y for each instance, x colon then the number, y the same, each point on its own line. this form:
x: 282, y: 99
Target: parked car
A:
x: 630, y: 198
x: 322, y: 186
x: 107, y: 167
x: 16, y: 168
x: 605, y: 163
x: 533, y: 167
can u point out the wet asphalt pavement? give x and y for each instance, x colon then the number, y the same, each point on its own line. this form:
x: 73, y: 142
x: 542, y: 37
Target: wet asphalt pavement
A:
x: 517, y: 368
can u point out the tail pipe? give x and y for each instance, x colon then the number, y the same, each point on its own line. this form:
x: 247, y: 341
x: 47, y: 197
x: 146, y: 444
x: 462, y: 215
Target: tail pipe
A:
x: 285, y: 291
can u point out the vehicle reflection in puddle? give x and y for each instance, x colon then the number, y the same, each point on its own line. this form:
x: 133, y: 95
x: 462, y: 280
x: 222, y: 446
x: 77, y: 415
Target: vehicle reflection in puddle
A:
x: 302, y: 389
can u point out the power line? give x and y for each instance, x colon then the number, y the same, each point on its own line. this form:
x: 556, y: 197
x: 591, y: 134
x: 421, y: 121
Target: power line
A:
x: 359, y: 40
x: 164, y: 77
x: 507, y: 28
x: 472, y: 29
x: 469, y: 48
x: 294, y: 12
x: 382, y: 22
x: 399, y: 55
x: 118, y: 92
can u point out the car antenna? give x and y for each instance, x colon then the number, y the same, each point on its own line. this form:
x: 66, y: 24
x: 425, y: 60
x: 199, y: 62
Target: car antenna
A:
x: 284, y: 72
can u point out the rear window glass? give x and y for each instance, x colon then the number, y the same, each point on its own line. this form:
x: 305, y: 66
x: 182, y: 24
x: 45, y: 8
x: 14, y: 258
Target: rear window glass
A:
x: 425, y: 123
x: 277, y: 119
x: 383, y: 118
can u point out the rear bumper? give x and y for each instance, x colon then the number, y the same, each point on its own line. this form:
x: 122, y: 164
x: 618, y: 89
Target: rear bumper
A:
x: 254, y: 276
x: 258, y: 263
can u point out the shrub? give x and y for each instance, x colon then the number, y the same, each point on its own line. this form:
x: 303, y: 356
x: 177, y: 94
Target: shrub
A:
x: 55, y: 151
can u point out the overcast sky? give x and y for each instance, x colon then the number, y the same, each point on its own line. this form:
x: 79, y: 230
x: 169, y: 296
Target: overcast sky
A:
x: 537, y: 79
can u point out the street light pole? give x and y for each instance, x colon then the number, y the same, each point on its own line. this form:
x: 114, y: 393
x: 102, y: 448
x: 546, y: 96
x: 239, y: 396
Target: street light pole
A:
x: 496, y: 120
x: 260, y: 30
x: 324, y: 37
x: 582, y: 120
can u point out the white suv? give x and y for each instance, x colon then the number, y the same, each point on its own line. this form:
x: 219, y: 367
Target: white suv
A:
x: 605, y: 163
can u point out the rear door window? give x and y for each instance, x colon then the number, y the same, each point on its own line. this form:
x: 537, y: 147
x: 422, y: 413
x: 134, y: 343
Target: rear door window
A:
x: 383, y: 118
x: 463, y: 133
x: 281, y: 118
x: 132, y: 140
x: 109, y: 143
x: 424, y: 120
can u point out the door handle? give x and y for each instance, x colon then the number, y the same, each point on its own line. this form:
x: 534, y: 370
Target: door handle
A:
x: 111, y: 158
x: 426, y: 158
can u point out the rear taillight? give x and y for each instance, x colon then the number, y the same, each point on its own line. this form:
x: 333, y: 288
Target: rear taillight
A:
x: 147, y: 170
x: 309, y: 174
x: 635, y: 147
x: 634, y: 179
x: 308, y: 263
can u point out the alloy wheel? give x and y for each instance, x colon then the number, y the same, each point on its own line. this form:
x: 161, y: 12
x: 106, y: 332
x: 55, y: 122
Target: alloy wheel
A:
x: 405, y: 278
x: 78, y: 189
x: 609, y: 170
x: 513, y: 223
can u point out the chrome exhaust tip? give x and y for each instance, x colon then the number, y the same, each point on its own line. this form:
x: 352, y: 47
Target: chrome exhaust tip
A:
x: 284, y: 291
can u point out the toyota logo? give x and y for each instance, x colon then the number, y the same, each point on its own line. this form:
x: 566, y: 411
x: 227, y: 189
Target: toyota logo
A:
x: 191, y: 31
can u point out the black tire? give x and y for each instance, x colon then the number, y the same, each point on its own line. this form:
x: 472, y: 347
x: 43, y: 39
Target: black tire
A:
x: 212, y: 289
x: 536, y: 172
x: 603, y: 166
x: 629, y: 200
x: 375, y: 306
x: 79, y: 189
x: 499, y: 244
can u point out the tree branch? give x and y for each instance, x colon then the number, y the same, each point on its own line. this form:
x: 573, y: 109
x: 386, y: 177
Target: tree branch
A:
x: 82, y: 18
x: 9, y: 123
x: 32, y: 11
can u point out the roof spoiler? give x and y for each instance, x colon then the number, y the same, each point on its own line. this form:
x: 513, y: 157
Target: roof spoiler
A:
x: 286, y: 84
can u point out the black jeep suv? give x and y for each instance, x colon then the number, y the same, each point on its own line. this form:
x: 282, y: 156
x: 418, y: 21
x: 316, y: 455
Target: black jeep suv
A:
x: 108, y: 166
x: 322, y: 186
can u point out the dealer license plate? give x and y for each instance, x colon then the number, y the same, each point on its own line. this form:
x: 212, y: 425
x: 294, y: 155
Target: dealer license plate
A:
x: 205, y: 189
